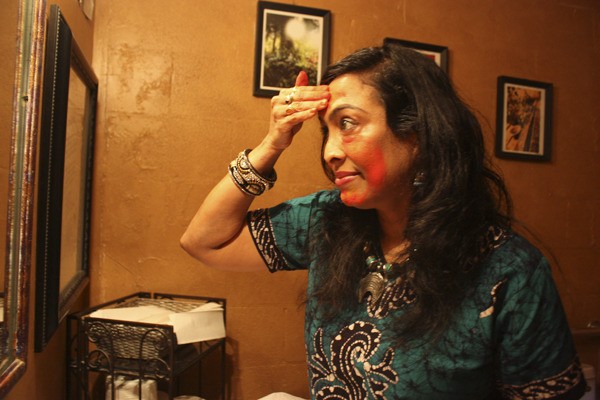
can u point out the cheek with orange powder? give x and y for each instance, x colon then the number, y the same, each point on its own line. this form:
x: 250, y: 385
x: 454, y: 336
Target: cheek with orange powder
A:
x: 369, y: 157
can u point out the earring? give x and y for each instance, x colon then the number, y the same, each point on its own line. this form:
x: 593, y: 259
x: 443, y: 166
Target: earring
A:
x: 419, y: 179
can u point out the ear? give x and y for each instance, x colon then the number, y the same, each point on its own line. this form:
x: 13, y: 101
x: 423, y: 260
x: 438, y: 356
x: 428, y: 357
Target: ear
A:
x: 414, y: 142
x: 415, y: 152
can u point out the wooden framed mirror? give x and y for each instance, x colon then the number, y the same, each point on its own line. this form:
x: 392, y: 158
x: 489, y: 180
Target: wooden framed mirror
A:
x: 21, y: 41
x: 65, y: 178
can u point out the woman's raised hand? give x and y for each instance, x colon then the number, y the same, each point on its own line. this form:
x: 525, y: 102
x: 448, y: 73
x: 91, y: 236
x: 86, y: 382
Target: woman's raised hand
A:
x: 292, y: 107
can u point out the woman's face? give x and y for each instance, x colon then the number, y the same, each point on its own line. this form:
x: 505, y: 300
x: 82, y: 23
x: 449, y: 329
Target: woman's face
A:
x: 372, y: 167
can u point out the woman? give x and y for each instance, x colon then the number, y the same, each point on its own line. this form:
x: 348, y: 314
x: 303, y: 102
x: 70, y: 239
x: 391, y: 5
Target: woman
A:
x: 418, y: 289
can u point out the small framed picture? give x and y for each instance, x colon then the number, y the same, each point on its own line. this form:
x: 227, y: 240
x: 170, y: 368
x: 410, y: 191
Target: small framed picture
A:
x: 289, y: 39
x: 523, y: 119
x: 439, y: 54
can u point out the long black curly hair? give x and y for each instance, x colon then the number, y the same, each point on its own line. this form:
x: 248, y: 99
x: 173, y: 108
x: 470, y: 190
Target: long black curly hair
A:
x: 460, y: 198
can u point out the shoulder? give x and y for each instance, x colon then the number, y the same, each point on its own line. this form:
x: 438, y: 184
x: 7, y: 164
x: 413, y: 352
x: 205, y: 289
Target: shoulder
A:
x: 319, y: 197
x: 314, y: 201
x: 293, y: 213
x: 516, y: 255
x: 505, y: 251
x: 512, y: 263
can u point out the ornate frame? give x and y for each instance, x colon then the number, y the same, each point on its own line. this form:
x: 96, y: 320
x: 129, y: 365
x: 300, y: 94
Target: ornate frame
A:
x: 30, y: 47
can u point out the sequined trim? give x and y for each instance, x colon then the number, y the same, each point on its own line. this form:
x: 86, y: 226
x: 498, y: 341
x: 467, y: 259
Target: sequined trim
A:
x: 261, y: 231
x: 548, y: 388
x: 348, y: 372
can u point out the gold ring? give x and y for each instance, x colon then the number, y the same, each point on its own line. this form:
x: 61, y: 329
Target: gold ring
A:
x: 291, y: 109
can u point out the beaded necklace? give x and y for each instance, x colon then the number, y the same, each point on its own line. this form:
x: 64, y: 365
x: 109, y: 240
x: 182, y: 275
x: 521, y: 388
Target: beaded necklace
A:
x: 378, y: 274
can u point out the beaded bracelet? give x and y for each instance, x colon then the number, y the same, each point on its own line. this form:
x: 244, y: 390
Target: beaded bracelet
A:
x: 248, y: 179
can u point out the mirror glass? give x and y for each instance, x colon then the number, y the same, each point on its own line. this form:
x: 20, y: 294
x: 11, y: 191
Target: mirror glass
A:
x: 73, y: 184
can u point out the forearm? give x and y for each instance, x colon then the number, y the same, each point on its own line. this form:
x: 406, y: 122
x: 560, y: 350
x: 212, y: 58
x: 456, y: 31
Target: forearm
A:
x: 217, y: 235
x: 221, y: 217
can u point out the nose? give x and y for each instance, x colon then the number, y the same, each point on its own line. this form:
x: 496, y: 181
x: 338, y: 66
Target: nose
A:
x: 333, y: 153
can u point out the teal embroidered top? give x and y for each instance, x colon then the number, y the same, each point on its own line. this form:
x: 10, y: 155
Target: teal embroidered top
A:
x: 510, y: 339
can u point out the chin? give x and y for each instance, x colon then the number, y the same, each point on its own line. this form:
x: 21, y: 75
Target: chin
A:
x: 354, y: 200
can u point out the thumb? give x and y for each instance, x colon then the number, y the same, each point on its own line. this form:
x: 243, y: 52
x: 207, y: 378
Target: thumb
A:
x: 302, y: 79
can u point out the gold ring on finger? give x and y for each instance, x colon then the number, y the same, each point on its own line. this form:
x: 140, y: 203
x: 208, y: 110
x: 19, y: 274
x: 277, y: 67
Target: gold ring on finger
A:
x: 291, y: 109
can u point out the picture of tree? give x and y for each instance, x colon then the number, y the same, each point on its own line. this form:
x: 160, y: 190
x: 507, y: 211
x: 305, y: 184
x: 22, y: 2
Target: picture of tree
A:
x: 290, y: 39
x: 291, y: 44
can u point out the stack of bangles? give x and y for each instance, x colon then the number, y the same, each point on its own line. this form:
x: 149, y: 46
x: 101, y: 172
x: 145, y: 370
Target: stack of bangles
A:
x: 247, y: 179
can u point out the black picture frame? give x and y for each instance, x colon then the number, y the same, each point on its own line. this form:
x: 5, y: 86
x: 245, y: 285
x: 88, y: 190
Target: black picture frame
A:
x: 69, y: 98
x: 437, y: 53
x: 289, y: 39
x: 523, y: 119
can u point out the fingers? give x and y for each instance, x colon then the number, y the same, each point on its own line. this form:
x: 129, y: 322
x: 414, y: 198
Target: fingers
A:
x: 299, y: 106
x: 303, y: 93
x: 301, y: 97
x: 302, y: 79
x: 294, y: 106
x: 289, y: 98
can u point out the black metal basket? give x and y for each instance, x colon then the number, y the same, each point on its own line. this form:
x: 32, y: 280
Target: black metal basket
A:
x: 136, y: 340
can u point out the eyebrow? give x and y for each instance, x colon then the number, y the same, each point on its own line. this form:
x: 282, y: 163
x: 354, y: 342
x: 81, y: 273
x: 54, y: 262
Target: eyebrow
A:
x: 339, y: 109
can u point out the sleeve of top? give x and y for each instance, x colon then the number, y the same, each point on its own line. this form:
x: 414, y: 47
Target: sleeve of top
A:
x: 536, y: 354
x: 282, y: 234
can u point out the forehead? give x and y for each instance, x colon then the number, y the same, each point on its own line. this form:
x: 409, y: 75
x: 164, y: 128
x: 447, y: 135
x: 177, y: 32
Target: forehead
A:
x: 352, y: 90
x: 352, y: 86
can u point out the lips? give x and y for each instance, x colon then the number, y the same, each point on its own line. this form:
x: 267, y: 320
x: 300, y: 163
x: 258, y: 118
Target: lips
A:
x: 344, y: 177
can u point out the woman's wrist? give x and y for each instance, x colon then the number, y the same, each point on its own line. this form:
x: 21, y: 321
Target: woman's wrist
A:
x: 264, y: 156
x: 248, y: 178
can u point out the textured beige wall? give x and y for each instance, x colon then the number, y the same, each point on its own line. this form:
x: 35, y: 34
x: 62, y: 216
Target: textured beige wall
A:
x: 176, y: 106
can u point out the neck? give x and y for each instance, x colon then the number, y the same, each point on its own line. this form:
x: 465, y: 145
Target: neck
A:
x: 391, y: 235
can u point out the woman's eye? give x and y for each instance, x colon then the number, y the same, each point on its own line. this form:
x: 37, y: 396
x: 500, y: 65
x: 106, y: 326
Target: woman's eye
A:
x: 346, y: 124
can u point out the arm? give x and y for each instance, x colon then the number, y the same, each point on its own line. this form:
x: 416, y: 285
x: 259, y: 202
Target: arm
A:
x: 217, y: 234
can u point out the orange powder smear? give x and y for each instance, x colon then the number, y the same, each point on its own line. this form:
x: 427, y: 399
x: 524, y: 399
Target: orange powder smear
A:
x: 371, y: 158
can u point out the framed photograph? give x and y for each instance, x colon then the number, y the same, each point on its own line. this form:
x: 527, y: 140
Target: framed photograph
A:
x: 289, y: 39
x: 65, y: 178
x: 439, y: 54
x: 523, y: 119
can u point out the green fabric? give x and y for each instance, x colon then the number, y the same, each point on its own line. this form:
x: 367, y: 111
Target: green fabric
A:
x: 509, y: 340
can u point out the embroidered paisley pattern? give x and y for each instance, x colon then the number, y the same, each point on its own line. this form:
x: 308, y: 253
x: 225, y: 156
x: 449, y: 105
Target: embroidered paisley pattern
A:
x: 348, y: 373
x: 493, y: 293
x: 395, y: 295
x: 493, y: 238
x: 355, y: 360
x: 262, y: 232
x: 547, y: 388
